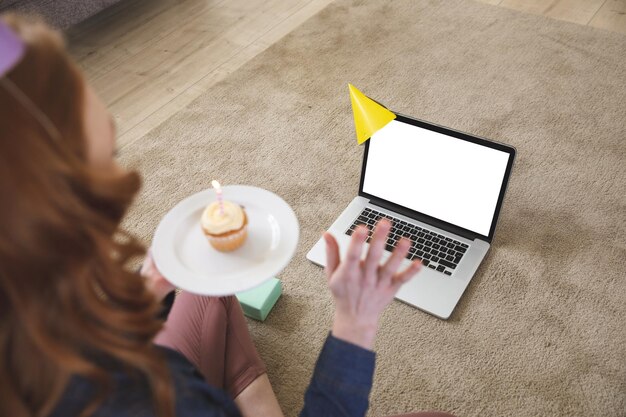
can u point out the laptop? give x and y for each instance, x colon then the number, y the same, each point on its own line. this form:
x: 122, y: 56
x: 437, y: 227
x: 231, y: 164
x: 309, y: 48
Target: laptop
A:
x: 441, y: 188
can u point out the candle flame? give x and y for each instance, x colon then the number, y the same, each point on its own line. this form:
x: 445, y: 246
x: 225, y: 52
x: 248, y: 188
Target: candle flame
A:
x: 216, y: 185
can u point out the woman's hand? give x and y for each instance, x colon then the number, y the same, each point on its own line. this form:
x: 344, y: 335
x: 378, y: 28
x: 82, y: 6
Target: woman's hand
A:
x: 156, y: 282
x: 363, y: 288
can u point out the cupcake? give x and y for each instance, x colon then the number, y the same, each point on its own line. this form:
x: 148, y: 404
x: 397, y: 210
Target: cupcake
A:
x: 226, y: 230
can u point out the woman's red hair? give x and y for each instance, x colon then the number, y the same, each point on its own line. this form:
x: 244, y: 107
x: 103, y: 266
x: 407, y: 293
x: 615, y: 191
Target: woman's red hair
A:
x: 66, y: 293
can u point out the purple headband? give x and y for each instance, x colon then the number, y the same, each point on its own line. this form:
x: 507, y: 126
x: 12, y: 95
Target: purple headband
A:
x: 11, y: 49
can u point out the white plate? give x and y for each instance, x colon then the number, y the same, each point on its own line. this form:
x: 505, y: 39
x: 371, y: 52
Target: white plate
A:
x: 184, y: 256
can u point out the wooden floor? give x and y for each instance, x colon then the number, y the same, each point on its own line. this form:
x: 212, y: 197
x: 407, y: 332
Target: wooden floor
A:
x: 149, y: 58
x: 604, y: 14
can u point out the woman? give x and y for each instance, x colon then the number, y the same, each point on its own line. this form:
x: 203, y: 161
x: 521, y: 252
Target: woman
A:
x: 79, y: 331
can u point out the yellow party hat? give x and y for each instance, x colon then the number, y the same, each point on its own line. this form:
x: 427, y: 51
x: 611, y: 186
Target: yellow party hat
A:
x: 369, y: 116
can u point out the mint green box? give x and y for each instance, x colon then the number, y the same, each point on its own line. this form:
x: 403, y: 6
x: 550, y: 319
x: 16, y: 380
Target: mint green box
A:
x: 258, y: 302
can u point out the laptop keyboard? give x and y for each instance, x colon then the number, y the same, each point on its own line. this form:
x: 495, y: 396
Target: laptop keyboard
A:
x: 436, y: 251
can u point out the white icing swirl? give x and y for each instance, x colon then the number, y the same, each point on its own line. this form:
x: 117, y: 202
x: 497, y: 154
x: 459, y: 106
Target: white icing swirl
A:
x: 216, y: 223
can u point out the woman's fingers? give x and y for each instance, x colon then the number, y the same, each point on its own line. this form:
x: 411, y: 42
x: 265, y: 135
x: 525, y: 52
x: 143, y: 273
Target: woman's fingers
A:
x: 377, y: 248
x: 406, y: 275
x: 353, y: 256
x: 395, y: 260
x: 148, y: 265
x: 332, y: 254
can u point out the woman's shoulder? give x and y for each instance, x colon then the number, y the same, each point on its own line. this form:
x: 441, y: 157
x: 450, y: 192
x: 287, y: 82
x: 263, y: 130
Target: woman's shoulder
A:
x: 131, y: 397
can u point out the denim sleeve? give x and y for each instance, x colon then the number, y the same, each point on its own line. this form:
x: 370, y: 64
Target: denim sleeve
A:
x: 341, y: 381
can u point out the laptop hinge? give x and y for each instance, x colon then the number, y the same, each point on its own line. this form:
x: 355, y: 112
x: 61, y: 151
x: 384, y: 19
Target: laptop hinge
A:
x: 426, y: 219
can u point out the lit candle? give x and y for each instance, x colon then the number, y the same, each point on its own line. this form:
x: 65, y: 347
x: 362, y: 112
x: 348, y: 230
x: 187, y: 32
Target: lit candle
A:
x: 218, y: 190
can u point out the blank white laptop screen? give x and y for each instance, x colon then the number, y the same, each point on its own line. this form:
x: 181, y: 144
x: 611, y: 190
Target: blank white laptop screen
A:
x: 444, y: 177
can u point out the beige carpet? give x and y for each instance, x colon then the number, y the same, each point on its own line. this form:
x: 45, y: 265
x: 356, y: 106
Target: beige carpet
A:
x: 541, y: 329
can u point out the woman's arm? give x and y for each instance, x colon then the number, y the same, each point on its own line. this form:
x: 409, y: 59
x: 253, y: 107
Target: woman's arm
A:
x: 341, y: 381
x: 361, y: 289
